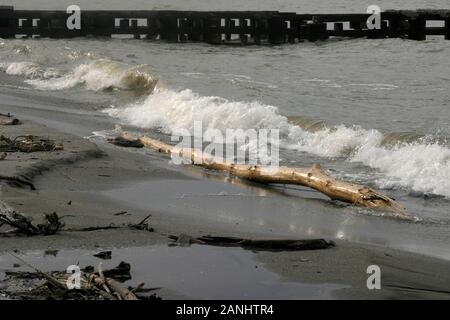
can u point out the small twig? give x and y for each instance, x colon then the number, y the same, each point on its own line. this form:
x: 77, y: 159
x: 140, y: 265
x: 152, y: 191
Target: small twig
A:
x: 18, y: 180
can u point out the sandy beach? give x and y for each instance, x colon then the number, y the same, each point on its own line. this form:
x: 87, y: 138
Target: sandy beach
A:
x: 330, y: 143
x: 83, y: 181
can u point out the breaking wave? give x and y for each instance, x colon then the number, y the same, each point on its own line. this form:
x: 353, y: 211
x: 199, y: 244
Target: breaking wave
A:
x: 406, y: 161
x: 100, y: 75
x: 29, y: 70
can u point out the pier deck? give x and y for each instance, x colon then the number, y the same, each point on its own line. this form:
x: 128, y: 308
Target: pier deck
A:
x: 223, y: 27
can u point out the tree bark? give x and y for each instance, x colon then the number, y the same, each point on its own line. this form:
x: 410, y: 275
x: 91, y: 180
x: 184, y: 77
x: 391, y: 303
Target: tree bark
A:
x: 313, y: 177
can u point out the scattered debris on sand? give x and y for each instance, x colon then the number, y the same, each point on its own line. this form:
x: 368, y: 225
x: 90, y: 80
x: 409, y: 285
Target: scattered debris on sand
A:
x: 23, y: 225
x: 28, y: 143
x: 142, y: 225
x: 251, y: 244
x: 62, y: 285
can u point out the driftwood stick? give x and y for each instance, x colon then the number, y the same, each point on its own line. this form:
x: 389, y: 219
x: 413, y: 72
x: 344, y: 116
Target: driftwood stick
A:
x: 313, y: 177
x: 18, y: 180
x: 256, y: 244
x: 124, y: 293
x: 8, y: 120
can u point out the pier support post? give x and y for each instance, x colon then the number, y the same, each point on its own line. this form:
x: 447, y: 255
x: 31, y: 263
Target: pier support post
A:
x: 134, y: 27
x: 417, y: 28
x: 186, y: 25
x: 152, y: 29
x: 169, y: 28
x: 229, y: 23
x: 447, y: 29
x: 197, y: 29
x: 7, y: 23
x: 379, y: 33
x: 276, y: 30
x: 314, y: 31
x: 103, y: 25
x: 211, y: 32
x: 338, y: 27
x: 357, y: 25
x: 395, y: 28
x: 242, y: 35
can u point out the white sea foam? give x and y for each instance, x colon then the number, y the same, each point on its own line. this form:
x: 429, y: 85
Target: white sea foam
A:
x: 418, y: 166
x: 27, y: 69
x: 423, y: 168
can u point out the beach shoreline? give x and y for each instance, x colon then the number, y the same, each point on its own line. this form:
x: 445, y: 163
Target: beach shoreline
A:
x: 84, y: 181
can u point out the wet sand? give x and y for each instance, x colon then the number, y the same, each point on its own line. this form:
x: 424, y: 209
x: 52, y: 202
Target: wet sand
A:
x: 89, y: 183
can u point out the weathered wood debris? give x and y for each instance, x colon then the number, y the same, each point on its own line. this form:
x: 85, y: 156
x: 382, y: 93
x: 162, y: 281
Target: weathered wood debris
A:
x: 314, y: 177
x: 254, y: 244
x: 8, y: 120
x: 23, y: 226
x: 96, y: 284
x: 28, y: 143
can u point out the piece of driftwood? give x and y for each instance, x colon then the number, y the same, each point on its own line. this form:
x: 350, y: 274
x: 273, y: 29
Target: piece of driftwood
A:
x: 105, y: 255
x: 313, y: 177
x: 142, y: 225
x: 120, y: 273
x: 28, y: 143
x: 255, y: 244
x: 121, y: 142
x: 23, y: 225
x: 18, y: 181
x: 8, y: 120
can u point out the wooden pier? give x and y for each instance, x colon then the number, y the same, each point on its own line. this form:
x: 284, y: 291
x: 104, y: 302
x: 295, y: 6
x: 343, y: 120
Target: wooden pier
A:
x: 223, y: 27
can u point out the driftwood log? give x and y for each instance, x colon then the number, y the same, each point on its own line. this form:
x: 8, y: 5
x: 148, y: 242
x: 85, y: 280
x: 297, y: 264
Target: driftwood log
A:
x: 255, y: 244
x: 313, y: 177
x: 17, y: 181
x: 8, y: 120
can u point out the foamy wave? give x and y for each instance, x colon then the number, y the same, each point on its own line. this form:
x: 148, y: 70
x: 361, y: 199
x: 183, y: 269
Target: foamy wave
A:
x: 423, y: 168
x: 339, y: 141
x: 27, y: 69
x: 415, y: 165
x: 169, y: 110
x: 101, y: 75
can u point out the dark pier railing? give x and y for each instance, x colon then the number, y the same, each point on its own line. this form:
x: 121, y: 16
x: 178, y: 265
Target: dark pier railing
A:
x: 223, y: 27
